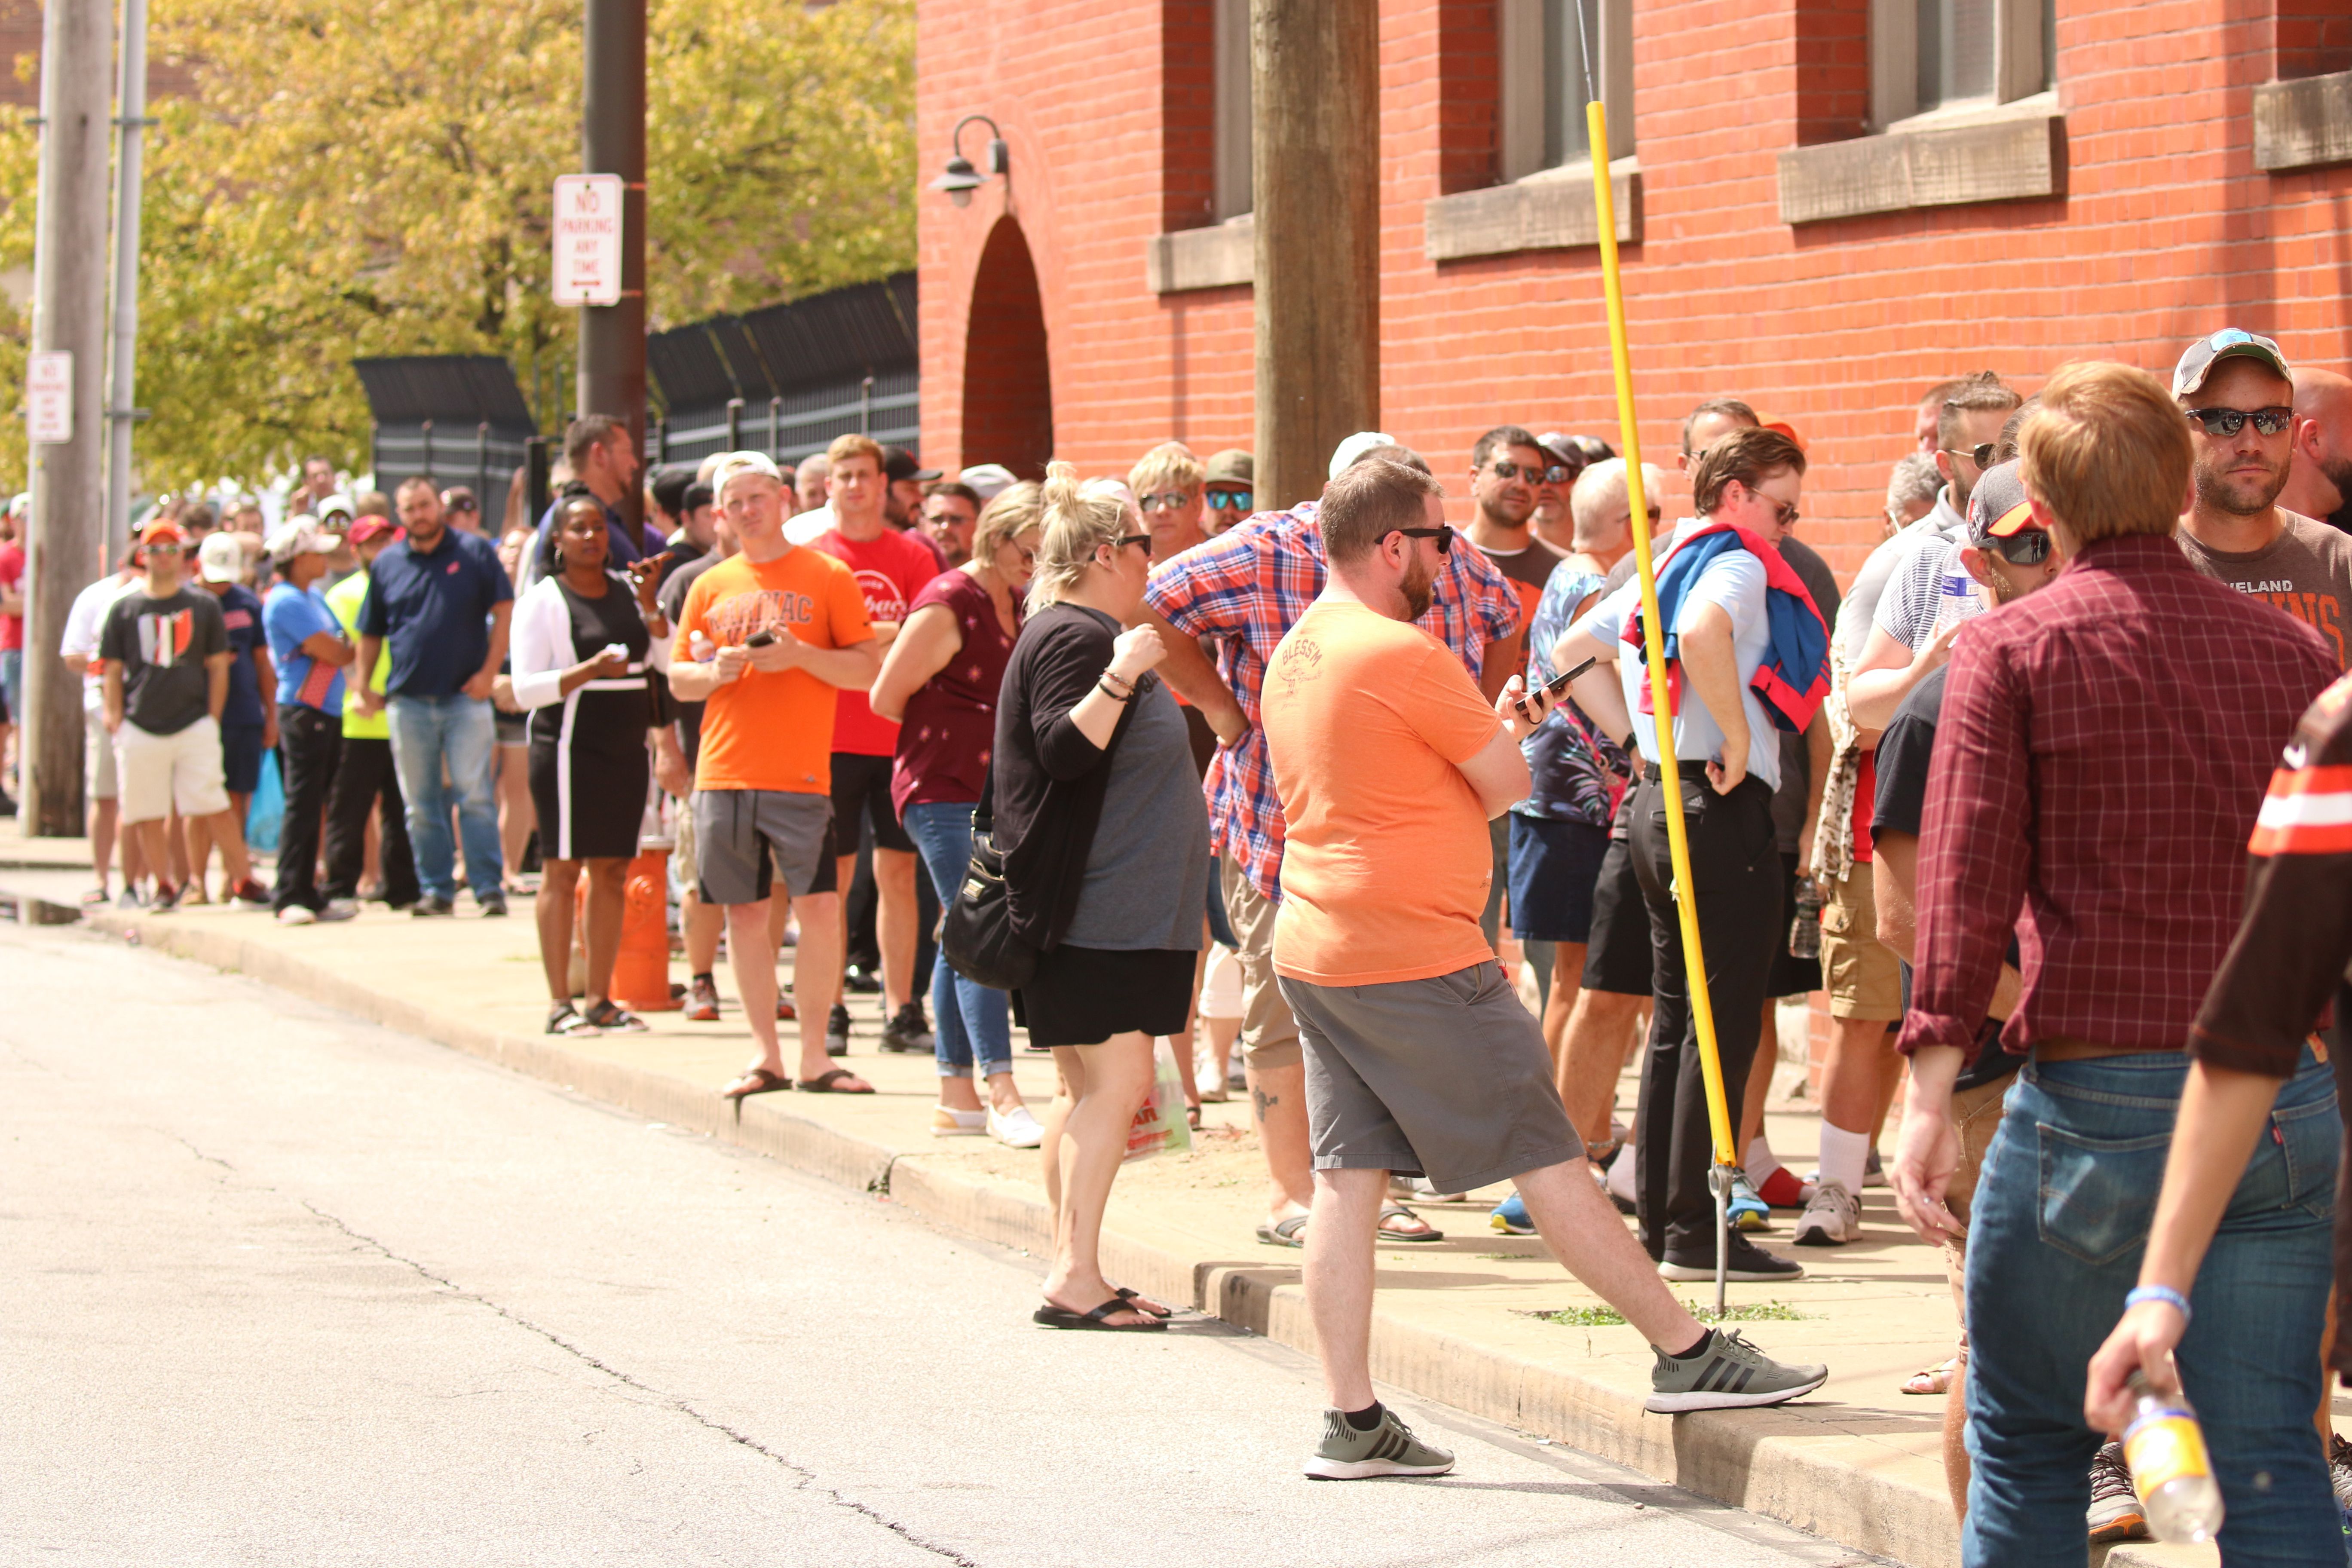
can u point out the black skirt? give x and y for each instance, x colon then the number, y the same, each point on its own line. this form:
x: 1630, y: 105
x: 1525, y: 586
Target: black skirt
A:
x: 1083, y: 996
x: 591, y: 802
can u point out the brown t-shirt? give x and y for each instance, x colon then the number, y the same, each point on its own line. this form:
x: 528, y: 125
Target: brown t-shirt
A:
x: 2307, y: 571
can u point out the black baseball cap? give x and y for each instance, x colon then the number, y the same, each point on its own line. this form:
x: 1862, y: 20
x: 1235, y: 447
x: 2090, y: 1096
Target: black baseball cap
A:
x: 898, y: 463
x: 669, y: 487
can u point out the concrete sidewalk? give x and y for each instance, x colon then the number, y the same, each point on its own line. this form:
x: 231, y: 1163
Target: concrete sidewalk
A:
x: 1463, y: 1320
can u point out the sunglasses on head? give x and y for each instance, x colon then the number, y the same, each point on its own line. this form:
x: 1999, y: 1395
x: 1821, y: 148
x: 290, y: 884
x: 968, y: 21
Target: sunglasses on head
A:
x: 2229, y: 421
x: 1229, y: 501
x: 2026, y: 547
x: 1443, y: 535
x: 1169, y: 500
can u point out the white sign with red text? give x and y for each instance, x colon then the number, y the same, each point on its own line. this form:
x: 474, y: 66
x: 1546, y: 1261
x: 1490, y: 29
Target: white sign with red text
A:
x: 587, y: 239
x: 48, y: 395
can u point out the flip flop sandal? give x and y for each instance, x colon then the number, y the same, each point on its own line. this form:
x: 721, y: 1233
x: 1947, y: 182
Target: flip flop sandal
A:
x: 1049, y: 1316
x: 1285, y: 1234
x: 1192, y: 1117
x: 1931, y: 1379
x: 566, y: 1020
x: 1389, y: 1235
x: 759, y: 1080
x: 615, y: 1019
x: 1135, y: 1300
x: 829, y: 1082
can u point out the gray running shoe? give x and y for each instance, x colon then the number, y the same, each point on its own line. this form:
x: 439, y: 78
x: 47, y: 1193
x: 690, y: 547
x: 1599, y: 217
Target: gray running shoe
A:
x: 1831, y: 1218
x: 1388, y: 1449
x: 1728, y: 1374
x: 2114, y: 1513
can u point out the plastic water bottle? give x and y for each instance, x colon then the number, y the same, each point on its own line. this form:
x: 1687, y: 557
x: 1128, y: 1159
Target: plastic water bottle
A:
x: 1957, y: 596
x: 1805, y: 930
x: 2170, y: 1468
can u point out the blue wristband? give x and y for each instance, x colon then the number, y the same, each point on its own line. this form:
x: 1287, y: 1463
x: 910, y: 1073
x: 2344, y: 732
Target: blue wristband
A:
x: 2164, y: 1293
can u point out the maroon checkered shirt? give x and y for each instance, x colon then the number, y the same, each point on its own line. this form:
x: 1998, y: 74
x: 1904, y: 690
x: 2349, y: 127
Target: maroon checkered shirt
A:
x: 2103, y: 750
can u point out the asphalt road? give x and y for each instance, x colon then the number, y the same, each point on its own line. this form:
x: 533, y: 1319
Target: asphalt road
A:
x: 279, y: 1287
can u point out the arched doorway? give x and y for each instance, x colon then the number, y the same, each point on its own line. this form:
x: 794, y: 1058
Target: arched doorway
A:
x: 1008, y: 383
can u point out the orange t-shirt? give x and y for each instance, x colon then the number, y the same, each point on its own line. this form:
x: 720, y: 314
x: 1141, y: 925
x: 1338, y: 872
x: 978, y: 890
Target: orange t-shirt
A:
x: 1386, y: 858
x: 772, y: 732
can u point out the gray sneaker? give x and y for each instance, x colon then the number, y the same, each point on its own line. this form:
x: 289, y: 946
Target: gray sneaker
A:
x: 1728, y: 1374
x: 1831, y: 1218
x: 2114, y: 1513
x: 1388, y: 1449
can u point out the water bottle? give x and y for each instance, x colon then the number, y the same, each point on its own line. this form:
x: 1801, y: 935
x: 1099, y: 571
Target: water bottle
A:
x: 1957, y: 597
x: 1805, y: 930
x: 2170, y: 1469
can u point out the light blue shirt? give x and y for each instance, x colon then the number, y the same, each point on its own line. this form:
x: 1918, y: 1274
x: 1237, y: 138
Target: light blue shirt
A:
x: 1734, y: 581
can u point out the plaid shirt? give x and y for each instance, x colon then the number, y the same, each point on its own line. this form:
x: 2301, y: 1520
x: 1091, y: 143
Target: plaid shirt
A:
x: 2100, y: 760
x: 1243, y: 590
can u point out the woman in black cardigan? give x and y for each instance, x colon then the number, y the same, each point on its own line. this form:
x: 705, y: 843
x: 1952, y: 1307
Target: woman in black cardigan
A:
x: 1106, y: 845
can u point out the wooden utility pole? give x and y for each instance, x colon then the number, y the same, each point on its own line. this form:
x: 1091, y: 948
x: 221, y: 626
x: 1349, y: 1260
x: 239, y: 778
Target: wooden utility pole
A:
x: 68, y: 532
x: 612, y: 378
x: 1315, y: 174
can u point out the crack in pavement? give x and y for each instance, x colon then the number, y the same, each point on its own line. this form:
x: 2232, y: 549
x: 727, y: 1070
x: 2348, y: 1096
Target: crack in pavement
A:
x: 806, y: 1479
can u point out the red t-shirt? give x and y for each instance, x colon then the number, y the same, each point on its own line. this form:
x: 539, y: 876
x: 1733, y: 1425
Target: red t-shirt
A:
x: 891, y: 568
x: 12, y: 575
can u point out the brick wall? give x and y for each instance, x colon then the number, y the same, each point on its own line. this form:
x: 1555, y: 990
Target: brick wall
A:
x: 2167, y: 231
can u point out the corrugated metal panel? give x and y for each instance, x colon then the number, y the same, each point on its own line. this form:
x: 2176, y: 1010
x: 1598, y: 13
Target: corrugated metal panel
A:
x: 449, y: 389
x: 781, y: 351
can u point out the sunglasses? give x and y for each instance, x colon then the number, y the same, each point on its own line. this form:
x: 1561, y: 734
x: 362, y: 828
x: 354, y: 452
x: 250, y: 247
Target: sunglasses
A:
x: 2027, y: 547
x: 2229, y: 421
x: 1230, y: 500
x: 1124, y: 540
x: 1980, y: 454
x: 1504, y: 468
x: 1559, y: 474
x: 1166, y: 500
x: 1444, y: 535
x: 1784, y: 512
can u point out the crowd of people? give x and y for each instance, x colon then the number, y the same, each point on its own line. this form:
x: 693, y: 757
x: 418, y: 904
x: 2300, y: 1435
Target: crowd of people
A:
x: 1295, y: 791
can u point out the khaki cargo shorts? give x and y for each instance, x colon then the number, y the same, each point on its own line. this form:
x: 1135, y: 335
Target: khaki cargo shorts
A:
x: 1861, y: 973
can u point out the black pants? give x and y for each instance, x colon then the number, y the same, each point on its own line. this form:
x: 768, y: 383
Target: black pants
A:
x: 365, y: 774
x: 310, y: 745
x: 1735, y: 870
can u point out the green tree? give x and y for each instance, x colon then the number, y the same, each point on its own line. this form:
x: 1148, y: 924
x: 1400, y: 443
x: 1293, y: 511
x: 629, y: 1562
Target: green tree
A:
x: 359, y: 177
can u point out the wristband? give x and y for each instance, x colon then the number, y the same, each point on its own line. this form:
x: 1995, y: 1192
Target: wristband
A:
x: 1112, y: 675
x: 2164, y: 1293
x: 1104, y: 687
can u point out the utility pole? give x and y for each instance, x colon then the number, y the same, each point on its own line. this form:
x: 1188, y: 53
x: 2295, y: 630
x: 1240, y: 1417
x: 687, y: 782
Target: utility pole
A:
x: 131, y: 123
x: 1315, y: 178
x: 69, y: 315
x: 612, y: 378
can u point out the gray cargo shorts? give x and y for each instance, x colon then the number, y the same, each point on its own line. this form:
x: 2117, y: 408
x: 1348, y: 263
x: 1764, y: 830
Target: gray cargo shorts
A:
x: 735, y: 829
x: 1445, y: 1078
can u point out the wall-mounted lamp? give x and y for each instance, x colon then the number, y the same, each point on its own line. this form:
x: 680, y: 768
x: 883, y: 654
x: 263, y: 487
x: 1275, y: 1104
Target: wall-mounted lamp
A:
x: 960, y: 178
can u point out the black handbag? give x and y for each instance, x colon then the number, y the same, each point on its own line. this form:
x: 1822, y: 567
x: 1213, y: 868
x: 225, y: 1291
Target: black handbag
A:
x: 976, y: 934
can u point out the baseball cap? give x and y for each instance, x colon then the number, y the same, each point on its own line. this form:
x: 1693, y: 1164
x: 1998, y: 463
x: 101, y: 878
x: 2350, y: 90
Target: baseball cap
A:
x: 1232, y: 466
x: 460, y: 498
x: 221, y: 557
x: 669, y: 487
x: 336, y: 505
x: 1562, y: 449
x: 1356, y: 446
x: 1783, y: 428
x: 163, y: 530
x: 898, y: 463
x: 370, y: 528
x: 1997, y: 508
x: 2203, y: 354
x: 301, y: 534
x: 697, y: 496
x: 734, y: 463
x: 989, y: 480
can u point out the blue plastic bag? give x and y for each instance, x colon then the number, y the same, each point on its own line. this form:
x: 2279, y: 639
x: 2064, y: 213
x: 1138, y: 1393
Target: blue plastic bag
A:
x: 268, y: 813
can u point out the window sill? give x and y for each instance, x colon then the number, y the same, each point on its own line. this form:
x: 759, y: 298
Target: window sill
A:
x: 2005, y: 152
x: 2305, y: 123
x: 1217, y: 257
x: 1551, y: 211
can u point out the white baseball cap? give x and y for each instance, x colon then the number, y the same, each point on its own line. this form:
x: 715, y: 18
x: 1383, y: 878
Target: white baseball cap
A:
x: 1356, y: 446
x: 989, y: 480
x: 221, y: 557
x: 300, y: 534
x: 734, y: 463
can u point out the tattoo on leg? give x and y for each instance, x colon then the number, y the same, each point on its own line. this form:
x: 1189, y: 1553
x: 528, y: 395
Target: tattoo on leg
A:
x: 1262, y: 1100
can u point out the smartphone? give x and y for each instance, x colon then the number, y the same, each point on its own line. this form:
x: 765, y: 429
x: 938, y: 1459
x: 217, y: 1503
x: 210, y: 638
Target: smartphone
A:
x: 1555, y: 686
x: 760, y: 638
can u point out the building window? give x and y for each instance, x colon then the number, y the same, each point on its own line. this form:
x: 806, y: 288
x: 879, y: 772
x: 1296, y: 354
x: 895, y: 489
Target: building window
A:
x: 1932, y: 55
x: 1231, y: 132
x: 1545, y: 47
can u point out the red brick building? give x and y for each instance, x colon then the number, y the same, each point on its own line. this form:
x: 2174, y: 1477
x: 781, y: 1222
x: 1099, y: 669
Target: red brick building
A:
x: 1825, y: 206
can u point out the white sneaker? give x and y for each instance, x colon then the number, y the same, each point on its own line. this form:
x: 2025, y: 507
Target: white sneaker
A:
x: 1016, y: 1128
x: 339, y: 909
x: 1832, y: 1218
x: 296, y: 915
x: 947, y: 1121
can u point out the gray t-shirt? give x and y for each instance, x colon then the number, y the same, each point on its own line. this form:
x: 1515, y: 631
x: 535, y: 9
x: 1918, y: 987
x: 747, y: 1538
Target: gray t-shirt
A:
x: 2307, y: 571
x: 1147, y: 882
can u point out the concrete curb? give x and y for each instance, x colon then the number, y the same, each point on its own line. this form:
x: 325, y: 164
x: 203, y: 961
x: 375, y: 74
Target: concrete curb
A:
x: 1817, y: 1468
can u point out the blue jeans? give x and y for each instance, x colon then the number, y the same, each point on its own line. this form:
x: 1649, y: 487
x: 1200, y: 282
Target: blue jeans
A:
x: 456, y: 732
x: 2060, y: 1218
x: 966, y: 1017
x: 12, y: 682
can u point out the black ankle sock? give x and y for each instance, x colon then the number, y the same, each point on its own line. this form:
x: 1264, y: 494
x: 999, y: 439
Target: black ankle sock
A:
x: 707, y: 974
x: 1698, y: 1346
x: 1364, y: 1420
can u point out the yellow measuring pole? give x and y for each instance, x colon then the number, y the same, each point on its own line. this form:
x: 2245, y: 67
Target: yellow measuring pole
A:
x: 1718, y: 1114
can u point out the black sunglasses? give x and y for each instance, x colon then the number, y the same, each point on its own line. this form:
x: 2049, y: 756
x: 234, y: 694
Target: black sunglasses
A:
x: 2027, y: 547
x: 2229, y: 421
x: 1980, y: 454
x: 1124, y: 540
x: 1224, y: 500
x: 1559, y: 474
x: 1504, y: 468
x: 1444, y: 535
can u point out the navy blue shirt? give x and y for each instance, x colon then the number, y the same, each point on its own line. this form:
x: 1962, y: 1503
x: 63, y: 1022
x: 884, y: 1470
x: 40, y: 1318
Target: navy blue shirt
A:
x: 433, y: 610
x: 241, y: 612
x: 624, y: 550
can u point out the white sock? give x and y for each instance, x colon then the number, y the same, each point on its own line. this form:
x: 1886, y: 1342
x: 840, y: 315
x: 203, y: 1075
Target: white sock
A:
x: 1761, y: 1160
x: 1621, y: 1173
x: 1843, y: 1154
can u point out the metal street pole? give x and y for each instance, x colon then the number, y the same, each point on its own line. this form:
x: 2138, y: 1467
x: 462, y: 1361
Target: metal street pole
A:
x: 68, y: 539
x: 1315, y: 178
x: 612, y: 378
x: 131, y: 124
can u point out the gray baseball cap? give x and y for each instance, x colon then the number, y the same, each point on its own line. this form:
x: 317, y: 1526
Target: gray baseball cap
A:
x: 2206, y: 353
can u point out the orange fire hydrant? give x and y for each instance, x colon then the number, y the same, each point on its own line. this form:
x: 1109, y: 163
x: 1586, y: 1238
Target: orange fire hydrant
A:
x: 641, y: 974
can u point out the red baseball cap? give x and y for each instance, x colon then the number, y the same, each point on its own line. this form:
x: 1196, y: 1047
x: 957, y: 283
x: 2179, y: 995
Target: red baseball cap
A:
x: 368, y: 528
x: 163, y: 530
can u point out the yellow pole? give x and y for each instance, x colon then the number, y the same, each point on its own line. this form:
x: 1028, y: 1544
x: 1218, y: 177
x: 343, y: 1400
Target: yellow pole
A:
x: 1718, y: 1113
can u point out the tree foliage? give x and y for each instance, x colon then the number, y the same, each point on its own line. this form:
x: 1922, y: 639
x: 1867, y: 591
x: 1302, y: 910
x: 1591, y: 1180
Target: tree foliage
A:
x: 359, y: 177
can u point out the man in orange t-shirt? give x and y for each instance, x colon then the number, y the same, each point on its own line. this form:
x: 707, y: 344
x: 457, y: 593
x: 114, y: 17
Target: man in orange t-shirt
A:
x: 765, y: 641
x: 1420, y: 1056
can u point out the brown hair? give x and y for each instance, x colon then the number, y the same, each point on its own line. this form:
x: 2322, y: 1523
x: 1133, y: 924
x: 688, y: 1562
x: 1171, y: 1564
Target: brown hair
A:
x: 1729, y: 407
x: 1367, y: 502
x: 2108, y: 452
x: 586, y: 434
x: 853, y: 445
x: 1983, y: 393
x: 1748, y: 455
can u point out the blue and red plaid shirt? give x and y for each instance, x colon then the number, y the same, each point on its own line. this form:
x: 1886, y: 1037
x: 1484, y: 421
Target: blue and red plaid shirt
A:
x: 1243, y: 590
